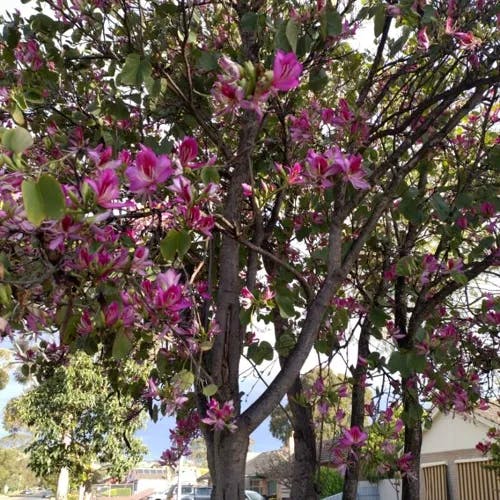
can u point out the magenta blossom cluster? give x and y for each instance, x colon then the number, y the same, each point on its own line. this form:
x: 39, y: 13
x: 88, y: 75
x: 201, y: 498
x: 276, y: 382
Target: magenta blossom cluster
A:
x: 322, y: 169
x: 242, y: 87
x: 220, y: 417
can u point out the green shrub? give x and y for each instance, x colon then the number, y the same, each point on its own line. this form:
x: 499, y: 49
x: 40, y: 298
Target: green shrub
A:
x: 330, y: 482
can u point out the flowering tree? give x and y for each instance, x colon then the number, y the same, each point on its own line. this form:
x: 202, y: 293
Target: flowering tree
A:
x: 175, y: 172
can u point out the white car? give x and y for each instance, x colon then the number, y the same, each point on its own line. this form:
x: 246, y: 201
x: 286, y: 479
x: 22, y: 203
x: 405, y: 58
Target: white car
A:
x: 253, y: 495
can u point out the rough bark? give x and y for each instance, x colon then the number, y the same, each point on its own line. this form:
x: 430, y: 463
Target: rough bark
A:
x: 229, y: 459
x: 351, y: 477
x: 305, y: 459
x: 413, y: 439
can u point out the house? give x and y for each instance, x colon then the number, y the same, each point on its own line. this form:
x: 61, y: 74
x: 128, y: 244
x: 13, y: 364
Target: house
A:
x: 150, y: 476
x: 451, y: 466
x: 267, y: 473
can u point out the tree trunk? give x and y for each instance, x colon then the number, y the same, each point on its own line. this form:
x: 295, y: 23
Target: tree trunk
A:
x: 305, y: 459
x: 228, y: 462
x: 62, y: 484
x: 413, y: 438
x: 351, y: 478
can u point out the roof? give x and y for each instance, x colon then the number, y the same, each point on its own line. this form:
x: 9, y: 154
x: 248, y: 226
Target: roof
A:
x: 264, y: 462
x: 491, y: 414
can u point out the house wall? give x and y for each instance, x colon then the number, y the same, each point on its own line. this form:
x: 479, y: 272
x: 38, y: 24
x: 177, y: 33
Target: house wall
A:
x: 146, y: 484
x: 452, y: 470
x: 452, y: 433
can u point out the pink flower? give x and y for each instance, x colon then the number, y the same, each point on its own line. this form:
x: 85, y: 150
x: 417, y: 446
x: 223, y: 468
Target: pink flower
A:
x: 393, y: 10
x: 182, y: 187
x: 286, y: 71
x: 423, y: 39
x: 487, y: 209
x: 106, y: 188
x: 404, y: 463
x: 353, y: 437
x: 246, y: 298
x: 188, y: 151
x: 112, y: 313
x: 484, y: 447
x: 148, y: 171
x: 152, y: 390
x: 220, y: 417
x: 340, y: 415
x: 319, y: 386
x: 247, y: 189
x: 319, y: 169
x: 462, y: 222
x: 294, y: 174
x: 344, y: 114
x: 467, y: 40
x: 390, y: 273
x: 350, y: 168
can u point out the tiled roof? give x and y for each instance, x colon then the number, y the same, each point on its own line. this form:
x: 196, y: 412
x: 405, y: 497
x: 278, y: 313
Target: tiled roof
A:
x: 259, y: 465
x: 492, y: 414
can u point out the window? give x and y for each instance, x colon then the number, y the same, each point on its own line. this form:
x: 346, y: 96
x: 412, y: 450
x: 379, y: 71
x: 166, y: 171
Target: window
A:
x: 256, y: 485
x: 272, y: 487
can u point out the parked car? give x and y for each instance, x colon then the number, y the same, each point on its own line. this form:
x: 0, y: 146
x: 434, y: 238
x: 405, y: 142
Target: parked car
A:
x: 159, y: 495
x: 253, y: 495
x: 198, y: 493
x: 191, y: 492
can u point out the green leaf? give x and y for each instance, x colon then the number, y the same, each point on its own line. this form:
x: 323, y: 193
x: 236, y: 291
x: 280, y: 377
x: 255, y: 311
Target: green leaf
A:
x: 291, y: 31
x: 249, y: 21
x: 32, y: 202
x: 398, y: 44
x: 43, y: 199
x: 210, y: 390
x: 135, y: 70
x: 459, y: 278
x: 176, y: 243
x: 379, y: 19
x: 207, y: 61
x: 51, y: 193
x: 397, y: 362
x: 284, y: 344
x: 406, y: 265
x: 411, y: 210
x: 318, y: 79
x: 209, y: 174
x: 267, y: 350
x: 429, y: 15
x: 17, y: 139
x: 121, y: 346
x: 378, y: 317
x: 184, y: 380
x: 416, y: 363
x: 280, y: 39
x: 117, y: 109
x: 333, y: 22
x: 285, y: 304
x: 440, y: 206
x: 494, y: 156
x: 260, y: 352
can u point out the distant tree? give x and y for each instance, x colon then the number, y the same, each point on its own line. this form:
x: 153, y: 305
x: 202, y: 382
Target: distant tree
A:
x: 77, y: 421
x: 4, y: 371
x: 15, y: 473
x: 330, y: 481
